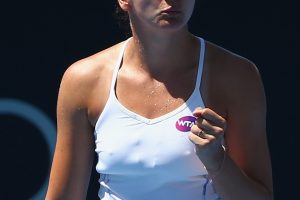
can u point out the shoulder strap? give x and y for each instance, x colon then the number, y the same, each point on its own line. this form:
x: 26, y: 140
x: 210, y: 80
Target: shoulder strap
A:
x: 117, y: 67
x: 201, y: 62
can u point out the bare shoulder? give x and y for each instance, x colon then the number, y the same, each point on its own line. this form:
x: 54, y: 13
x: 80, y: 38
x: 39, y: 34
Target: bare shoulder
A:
x: 233, y: 76
x: 89, y: 69
x: 230, y: 63
x: 84, y: 76
x: 85, y: 84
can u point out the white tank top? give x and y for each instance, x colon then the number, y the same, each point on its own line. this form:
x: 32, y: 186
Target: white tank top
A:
x: 150, y: 159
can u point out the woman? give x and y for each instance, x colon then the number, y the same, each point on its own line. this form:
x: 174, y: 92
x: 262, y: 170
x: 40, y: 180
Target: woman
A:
x: 174, y: 117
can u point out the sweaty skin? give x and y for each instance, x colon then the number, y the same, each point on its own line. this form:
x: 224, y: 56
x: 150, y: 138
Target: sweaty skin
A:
x: 162, y: 57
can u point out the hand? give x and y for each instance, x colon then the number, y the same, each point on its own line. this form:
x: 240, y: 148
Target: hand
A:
x: 207, y: 134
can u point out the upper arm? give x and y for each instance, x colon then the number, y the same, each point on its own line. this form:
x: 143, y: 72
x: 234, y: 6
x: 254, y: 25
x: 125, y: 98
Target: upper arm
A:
x: 73, y: 157
x: 245, y: 137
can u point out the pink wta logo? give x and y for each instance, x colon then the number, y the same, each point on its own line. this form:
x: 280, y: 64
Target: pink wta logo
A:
x: 184, y: 124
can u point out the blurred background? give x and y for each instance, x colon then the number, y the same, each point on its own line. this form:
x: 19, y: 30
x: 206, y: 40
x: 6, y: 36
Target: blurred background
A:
x: 40, y: 39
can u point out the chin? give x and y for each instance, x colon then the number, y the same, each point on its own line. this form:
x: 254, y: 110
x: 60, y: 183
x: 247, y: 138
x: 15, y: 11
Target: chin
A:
x: 171, y: 26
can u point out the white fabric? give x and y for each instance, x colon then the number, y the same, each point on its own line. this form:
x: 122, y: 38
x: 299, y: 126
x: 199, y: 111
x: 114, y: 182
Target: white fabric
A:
x: 150, y: 159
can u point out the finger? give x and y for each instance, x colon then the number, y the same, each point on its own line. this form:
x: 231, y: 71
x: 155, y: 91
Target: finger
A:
x: 202, y: 134
x: 211, y: 116
x: 197, y: 112
x: 209, y: 128
x: 198, y: 140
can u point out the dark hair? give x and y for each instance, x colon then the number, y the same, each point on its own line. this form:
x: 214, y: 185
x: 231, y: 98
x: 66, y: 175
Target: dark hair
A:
x: 122, y: 19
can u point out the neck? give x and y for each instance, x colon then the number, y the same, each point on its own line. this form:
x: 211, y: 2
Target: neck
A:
x: 159, y: 52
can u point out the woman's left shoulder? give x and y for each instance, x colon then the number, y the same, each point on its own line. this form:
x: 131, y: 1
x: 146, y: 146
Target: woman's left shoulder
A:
x: 231, y: 67
x: 236, y: 78
x: 229, y: 63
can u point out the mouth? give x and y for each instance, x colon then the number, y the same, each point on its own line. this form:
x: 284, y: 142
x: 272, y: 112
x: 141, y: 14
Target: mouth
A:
x: 170, y: 10
x: 170, y: 13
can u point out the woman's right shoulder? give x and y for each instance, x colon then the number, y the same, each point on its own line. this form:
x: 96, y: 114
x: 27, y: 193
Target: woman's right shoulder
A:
x: 89, y: 77
x: 93, y: 67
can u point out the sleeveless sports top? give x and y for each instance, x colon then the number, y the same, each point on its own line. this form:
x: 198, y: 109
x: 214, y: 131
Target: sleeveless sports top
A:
x: 150, y: 159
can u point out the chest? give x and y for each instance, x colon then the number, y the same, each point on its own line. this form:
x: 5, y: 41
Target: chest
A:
x: 154, y: 98
x: 127, y: 142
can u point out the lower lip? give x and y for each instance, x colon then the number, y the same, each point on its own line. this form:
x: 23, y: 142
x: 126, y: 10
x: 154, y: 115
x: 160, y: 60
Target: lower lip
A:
x: 170, y: 13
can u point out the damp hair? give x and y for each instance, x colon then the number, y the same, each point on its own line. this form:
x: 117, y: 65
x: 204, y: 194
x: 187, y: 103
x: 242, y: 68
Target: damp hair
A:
x: 122, y: 19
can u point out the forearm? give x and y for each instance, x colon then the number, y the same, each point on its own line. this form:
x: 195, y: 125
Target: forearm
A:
x: 232, y: 184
